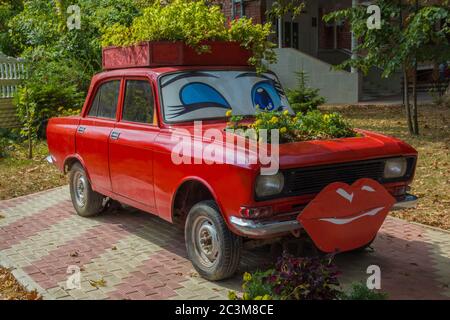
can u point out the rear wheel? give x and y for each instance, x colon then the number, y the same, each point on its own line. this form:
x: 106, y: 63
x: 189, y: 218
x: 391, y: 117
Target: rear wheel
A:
x: 86, y: 202
x: 213, y: 249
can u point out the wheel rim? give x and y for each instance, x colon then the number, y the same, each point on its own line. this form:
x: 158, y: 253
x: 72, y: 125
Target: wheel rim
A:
x: 205, y: 241
x: 80, y: 189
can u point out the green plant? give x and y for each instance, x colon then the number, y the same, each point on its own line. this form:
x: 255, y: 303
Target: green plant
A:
x: 306, y: 278
x: 359, y: 291
x: 192, y: 22
x: 255, y: 287
x: 304, y: 98
x: 310, y: 126
x: 59, y: 62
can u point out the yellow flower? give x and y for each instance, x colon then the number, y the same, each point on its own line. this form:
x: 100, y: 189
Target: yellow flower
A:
x: 258, y: 298
x: 286, y: 112
x: 295, y: 119
x: 283, y: 130
x: 326, y: 117
x: 258, y: 122
x: 229, y: 113
x: 274, y: 120
x: 267, y: 297
x: 232, y: 295
x: 246, y: 296
x: 247, y: 276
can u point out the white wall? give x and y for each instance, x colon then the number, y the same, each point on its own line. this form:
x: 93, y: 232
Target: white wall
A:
x: 335, y: 85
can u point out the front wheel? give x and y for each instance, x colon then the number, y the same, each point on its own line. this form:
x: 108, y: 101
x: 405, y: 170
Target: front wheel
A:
x: 86, y: 202
x: 213, y: 249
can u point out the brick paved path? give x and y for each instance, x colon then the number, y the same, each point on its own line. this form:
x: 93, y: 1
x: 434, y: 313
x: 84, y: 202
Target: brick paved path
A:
x: 140, y: 256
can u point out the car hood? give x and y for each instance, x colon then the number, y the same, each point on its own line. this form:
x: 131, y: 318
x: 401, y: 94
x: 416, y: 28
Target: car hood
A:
x: 369, y: 145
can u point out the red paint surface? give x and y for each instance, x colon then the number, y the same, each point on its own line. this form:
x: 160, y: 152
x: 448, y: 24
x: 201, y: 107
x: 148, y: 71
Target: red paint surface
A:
x: 168, y: 53
x: 342, y: 217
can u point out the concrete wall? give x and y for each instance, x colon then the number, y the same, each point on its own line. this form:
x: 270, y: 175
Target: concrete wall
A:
x: 336, y: 86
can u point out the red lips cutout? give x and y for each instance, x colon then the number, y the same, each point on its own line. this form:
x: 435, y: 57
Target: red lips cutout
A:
x: 342, y: 217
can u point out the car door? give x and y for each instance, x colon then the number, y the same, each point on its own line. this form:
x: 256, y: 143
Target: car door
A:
x: 93, y: 132
x: 131, y: 143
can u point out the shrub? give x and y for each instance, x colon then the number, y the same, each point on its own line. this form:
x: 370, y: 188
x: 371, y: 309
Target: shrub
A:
x: 306, y: 278
x: 303, y: 98
x: 192, y: 22
x: 310, y: 126
x: 359, y: 291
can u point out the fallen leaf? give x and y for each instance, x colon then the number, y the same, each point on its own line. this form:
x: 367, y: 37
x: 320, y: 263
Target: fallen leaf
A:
x: 74, y: 254
x: 114, y: 248
x: 98, y: 283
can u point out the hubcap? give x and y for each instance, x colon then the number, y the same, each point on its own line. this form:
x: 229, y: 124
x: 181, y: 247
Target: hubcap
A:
x: 205, y: 240
x: 80, y: 187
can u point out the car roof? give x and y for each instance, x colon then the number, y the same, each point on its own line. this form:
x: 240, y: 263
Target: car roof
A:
x: 155, y: 72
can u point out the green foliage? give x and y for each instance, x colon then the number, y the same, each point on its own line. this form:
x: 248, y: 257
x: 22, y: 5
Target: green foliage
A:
x: 254, y: 37
x: 306, y: 278
x: 60, y: 62
x: 310, y: 126
x: 406, y: 35
x: 192, y: 22
x: 283, y: 7
x: 359, y: 291
x: 303, y: 98
x: 255, y: 286
x: 8, y: 9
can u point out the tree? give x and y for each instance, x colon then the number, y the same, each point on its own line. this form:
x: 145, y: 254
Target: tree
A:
x: 411, y: 32
x: 60, y: 61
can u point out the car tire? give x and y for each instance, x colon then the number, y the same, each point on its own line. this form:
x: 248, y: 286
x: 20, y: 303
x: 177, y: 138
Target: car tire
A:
x: 86, y: 202
x: 213, y: 249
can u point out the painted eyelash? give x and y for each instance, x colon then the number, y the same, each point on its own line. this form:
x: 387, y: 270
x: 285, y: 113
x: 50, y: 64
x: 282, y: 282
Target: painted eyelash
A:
x: 188, y: 108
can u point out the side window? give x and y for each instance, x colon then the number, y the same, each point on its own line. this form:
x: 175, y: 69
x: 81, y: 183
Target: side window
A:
x: 105, y: 101
x: 138, y: 104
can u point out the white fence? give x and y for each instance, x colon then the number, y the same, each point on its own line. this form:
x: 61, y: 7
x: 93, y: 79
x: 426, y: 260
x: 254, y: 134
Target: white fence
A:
x: 11, y: 72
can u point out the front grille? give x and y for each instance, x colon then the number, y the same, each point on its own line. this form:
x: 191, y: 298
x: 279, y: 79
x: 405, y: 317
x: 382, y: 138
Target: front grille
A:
x: 311, y: 180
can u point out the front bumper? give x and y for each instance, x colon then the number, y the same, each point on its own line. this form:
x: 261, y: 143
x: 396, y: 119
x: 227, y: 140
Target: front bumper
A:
x: 254, y: 228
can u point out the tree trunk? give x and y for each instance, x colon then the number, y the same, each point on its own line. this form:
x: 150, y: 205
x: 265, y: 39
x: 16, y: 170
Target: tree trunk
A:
x: 414, y: 120
x: 29, y: 127
x: 30, y: 144
x: 407, y: 106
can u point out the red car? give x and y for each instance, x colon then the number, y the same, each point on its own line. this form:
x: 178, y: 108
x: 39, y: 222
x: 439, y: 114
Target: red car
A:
x: 121, y: 148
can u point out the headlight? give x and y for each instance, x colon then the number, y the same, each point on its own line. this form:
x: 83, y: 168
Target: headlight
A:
x: 269, y: 185
x: 395, y: 168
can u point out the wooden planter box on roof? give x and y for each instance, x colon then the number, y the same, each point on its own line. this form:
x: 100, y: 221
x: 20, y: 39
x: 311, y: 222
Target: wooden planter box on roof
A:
x: 166, y: 53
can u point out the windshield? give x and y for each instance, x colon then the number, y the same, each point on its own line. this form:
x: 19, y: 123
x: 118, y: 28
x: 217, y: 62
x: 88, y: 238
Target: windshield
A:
x: 199, y: 95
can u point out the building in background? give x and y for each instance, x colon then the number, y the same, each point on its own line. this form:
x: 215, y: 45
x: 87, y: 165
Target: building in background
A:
x: 307, y: 43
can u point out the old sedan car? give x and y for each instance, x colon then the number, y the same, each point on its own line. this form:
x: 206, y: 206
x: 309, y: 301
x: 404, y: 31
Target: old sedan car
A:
x: 121, y: 148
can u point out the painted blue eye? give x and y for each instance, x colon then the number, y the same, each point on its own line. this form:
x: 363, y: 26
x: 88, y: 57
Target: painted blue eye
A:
x: 200, y: 93
x: 265, y: 96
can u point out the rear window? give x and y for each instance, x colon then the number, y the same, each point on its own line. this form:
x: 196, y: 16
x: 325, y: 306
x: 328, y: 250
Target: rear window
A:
x: 105, y: 101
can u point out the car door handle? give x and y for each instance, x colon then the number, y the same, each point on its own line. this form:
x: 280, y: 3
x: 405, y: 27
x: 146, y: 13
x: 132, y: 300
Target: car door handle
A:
x: 81, y: 129
x: 115, y: 135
